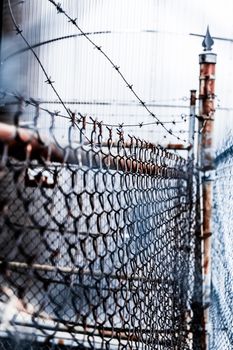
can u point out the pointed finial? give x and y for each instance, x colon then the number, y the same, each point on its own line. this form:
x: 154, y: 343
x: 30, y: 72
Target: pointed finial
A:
x: 208, y: 41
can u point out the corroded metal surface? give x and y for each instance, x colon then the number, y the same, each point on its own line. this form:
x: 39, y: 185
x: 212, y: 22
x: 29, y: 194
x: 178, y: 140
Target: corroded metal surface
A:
x: 206, y: 165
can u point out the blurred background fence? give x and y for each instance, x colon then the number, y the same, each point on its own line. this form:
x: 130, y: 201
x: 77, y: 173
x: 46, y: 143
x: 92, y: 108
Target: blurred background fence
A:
x: 222, y: 276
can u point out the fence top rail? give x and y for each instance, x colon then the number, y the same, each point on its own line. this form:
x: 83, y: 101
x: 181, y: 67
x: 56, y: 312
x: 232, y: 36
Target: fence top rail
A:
x: 134, y: 156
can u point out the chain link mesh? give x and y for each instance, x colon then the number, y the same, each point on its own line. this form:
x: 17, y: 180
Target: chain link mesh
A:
x: 96, y: 242
x: 222, y: 267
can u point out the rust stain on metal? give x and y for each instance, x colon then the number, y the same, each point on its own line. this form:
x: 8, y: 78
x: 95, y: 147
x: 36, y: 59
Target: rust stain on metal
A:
x: 148, y: 145
x: 206, y: 125
x: 193, y: 98
x: 207, y: 223
x: 206, y: 96
x: 25, y: 144
x: 176, y: 146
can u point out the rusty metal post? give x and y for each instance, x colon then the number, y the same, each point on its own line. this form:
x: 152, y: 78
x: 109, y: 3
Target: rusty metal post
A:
x: 207, y: 62
x: 192, y: 117
x: 191, y: 147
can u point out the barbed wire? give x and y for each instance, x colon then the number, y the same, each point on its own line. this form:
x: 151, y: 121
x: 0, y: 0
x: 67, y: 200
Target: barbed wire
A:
x: 48, y: 78
x: 49, y: 42
x: 102, y: 131
x: 76, y: 121
x: 51, y: 83
x: 33, y: 102
x: 132, y: 103
x: 73, y: 21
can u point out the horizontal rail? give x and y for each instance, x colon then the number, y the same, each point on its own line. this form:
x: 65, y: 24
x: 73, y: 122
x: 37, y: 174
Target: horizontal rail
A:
x: 178, y: 146
x: 223, y: 155
x: 124, y: 334
x: 15, y: 265
x: 24, y: 144
x: 150, y: 145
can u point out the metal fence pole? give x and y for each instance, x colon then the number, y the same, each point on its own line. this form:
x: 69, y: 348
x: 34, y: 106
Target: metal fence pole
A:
x: 207, y: 62
x: 194, y: 154
x: 192, y: 122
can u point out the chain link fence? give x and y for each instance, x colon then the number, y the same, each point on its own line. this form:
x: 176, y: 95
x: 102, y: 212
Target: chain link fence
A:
x: 222, y: 264
x: 97, y: 248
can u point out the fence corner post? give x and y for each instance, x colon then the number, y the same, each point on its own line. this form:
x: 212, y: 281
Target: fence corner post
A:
x: 207, y: 61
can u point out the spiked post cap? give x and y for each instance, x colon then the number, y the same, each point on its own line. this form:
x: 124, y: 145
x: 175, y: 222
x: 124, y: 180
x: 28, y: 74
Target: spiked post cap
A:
x: 208, y: 42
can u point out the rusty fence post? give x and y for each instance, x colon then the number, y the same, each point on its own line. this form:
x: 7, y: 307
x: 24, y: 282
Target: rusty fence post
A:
x: 192, y: 117
x: 191, y: 151
x: 207, y: 61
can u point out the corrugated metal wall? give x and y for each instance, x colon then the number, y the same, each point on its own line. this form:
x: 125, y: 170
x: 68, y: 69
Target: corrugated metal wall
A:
x: 150, y: 42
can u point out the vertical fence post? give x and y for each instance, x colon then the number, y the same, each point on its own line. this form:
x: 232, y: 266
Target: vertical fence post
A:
x: 197, y: 302
x: 192, y: 117
x: 207, y: 62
